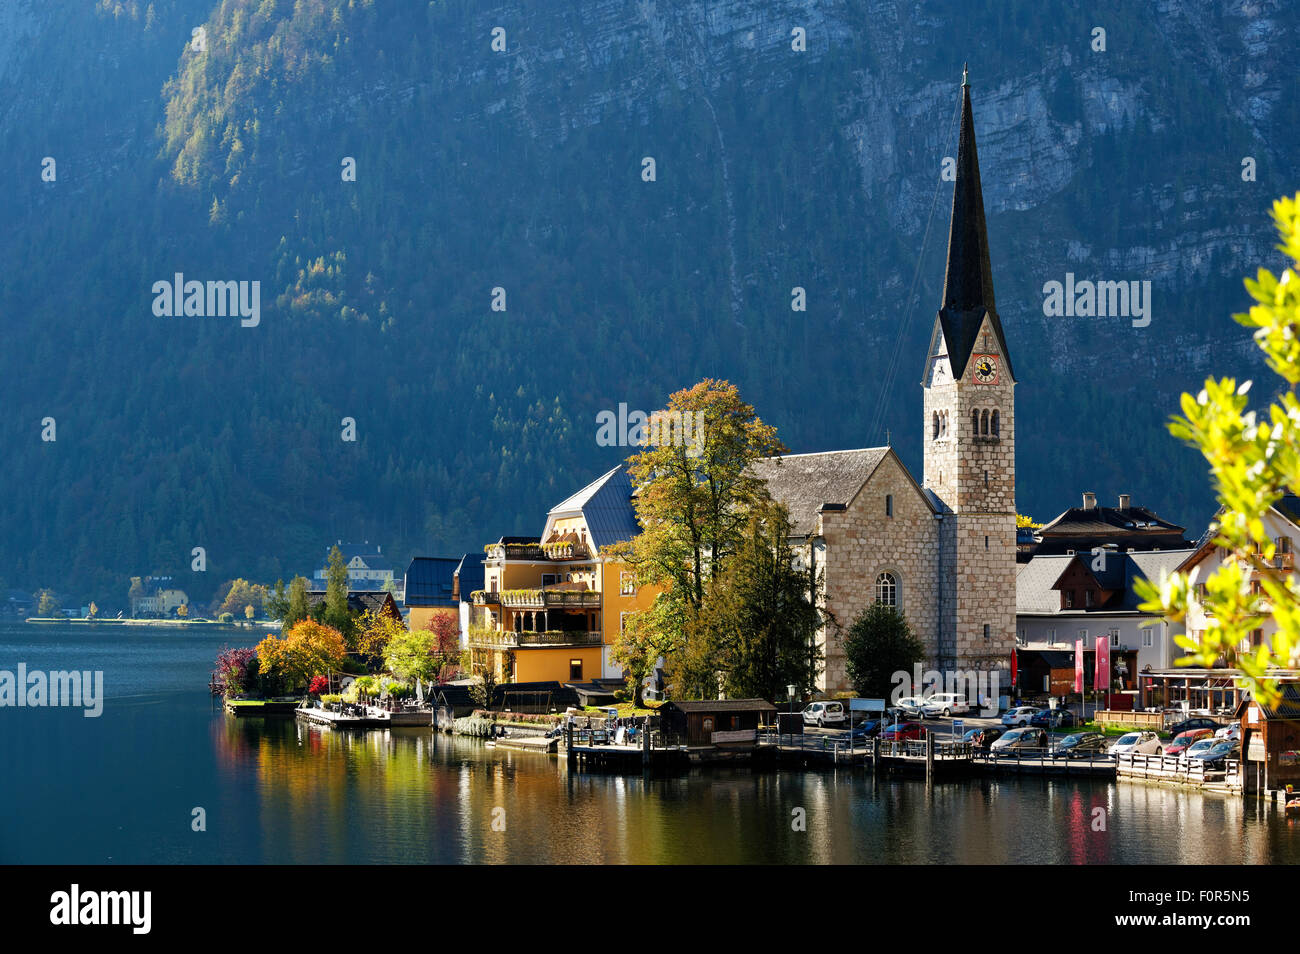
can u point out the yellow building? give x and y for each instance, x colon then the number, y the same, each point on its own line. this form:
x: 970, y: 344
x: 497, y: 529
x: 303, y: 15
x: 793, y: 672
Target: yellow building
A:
x: 552, y: 606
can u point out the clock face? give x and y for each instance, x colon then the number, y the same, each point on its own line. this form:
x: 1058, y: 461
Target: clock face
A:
x: 986, y: 368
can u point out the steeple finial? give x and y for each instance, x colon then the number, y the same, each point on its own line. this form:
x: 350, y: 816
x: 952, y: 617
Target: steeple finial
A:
x: 965, y: 76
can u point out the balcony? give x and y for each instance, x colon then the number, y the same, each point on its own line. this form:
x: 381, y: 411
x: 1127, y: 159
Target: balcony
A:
x: 556, y: 552
x: 498, y: 639
x: 543, y: 598
x: 484, y: 598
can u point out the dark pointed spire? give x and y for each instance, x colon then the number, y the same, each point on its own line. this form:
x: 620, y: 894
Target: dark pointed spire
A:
x: 968, y: 280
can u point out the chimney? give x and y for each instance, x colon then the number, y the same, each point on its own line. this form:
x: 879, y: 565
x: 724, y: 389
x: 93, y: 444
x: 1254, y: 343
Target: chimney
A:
x: 1124, y: 501
x: 1089, y: 500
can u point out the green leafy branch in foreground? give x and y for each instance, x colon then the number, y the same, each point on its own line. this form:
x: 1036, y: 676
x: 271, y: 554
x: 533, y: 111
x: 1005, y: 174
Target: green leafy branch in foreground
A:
x: 1254, y: 461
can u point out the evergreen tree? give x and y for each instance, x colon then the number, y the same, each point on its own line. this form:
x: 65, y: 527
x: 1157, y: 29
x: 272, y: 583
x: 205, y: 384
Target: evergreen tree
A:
x: 336, y: 613
x: 296, y: 608
x: 879, y: 644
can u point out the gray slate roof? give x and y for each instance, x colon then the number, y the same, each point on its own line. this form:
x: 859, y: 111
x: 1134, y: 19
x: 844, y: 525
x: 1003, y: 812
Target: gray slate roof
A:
x: 1034, y: 580
x: 804, y: 482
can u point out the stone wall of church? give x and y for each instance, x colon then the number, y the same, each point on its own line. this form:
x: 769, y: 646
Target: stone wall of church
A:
x: 985, y: 589
x: 861, y: 543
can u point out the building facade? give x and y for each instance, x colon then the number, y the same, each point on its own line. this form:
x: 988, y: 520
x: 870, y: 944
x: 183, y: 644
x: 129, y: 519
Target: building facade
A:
x: 552, y: 606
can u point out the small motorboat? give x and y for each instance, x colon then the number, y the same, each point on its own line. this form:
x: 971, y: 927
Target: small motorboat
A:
x: 1291, y: 804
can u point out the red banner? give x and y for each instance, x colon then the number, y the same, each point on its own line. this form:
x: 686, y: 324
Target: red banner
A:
x: 1078, y: 665
x: 1101, y: 678
x: 1014, y: 674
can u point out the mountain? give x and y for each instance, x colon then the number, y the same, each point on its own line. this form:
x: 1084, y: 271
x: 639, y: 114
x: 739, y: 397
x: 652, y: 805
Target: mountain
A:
x: 522, y: 170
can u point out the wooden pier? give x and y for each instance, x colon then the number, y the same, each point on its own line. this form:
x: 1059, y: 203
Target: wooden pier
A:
x: 1172, y: 771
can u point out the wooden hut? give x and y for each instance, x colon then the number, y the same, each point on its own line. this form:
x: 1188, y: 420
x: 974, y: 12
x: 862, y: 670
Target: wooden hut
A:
x: 1270, y: 741
x: 716, y: 722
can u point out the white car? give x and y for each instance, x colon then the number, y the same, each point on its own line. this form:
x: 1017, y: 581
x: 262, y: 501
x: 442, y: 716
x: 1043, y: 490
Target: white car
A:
x: 1020, y: 715
x: 1232, y: 732
x: 910, y: 706
x: 825, y: 713
x: 1200, y: 745
x: 1137, y: 743
x: 945, y: 704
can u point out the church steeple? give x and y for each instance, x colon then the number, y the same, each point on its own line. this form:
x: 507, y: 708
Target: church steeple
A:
x: 968, y: 279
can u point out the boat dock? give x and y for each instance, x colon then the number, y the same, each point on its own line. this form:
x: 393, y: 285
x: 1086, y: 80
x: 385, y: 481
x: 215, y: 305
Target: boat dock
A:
x: 1169, y: 769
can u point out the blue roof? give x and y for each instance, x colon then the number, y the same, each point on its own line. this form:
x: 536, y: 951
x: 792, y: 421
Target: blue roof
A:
x: 606, y: 505
x: 429, y: 581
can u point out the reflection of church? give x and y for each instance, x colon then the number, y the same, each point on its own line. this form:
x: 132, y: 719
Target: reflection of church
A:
x: 943, y: 550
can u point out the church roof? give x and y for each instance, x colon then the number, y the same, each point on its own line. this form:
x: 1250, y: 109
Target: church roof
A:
x: 968, y: 279
x: 807, y: 482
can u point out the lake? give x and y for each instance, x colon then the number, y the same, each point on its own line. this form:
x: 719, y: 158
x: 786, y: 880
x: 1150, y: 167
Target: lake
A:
x: 122, y: 788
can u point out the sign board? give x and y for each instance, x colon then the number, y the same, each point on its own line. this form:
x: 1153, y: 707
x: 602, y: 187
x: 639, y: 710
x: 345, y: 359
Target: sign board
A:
x: 1255, y: 750
x: 957, y: 726
x: 866, y: 705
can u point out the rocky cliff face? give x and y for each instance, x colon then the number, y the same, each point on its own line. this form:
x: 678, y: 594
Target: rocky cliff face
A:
x: 819, y: 168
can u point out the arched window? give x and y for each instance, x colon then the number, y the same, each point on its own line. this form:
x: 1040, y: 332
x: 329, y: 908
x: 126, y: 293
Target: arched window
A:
x: 975, y: 423
x: 887, y: 589
x: 934, y: 435
x: 943, y: 424
x: 996, y: 426
x: 984, y: 424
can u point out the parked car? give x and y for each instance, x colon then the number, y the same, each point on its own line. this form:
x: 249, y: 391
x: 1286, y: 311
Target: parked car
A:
x: 825, y: 713
x: 1081, y: 745
x: 945, y: 704
x: 866, y: 730
x: 903, y: 732
x: 1230, y: 731
x: 1137, y: 743
x: 1197, y: 747
x: 1215, y: 755
x: 1196, y: 722
x: 1019, y: 740
x: 910, y: 706
x: 1054, y: 719
x: 1184, y: 739
x: 1020, y: 715
x: 984, y: 738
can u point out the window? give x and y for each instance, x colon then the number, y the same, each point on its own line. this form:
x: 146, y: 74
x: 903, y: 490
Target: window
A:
x: 986, y: 630
x: 1069, y: 598
x: 943, y: 423
x: 986, y: 541
x: 986, y: 480
x: 575, y: 670
x: 1051, y: 634
x: 934, y: 427
x: 889, y: 505
x: 1149, y: 636
x: 975, y: 423
x: 549, y: 578
x: 887, y: 589
x: 1114, y: 638
x: 1083, y: 634
x: 984, y: 423
x: 996, y: 428
x: 627, y: 584
x: 1089, y: 597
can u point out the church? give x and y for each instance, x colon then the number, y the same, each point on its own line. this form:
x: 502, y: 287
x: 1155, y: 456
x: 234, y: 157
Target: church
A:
x: 942, y: 549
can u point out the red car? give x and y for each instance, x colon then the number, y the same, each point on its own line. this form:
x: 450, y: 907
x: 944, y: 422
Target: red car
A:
x: 1185, y: 739
x: 903, y: 732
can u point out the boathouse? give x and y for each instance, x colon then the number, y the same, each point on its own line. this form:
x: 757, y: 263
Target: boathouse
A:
x: 716, y: 722
x: 1270, y: 741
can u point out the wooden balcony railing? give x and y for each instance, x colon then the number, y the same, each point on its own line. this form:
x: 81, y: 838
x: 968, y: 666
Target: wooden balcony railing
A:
x: 537, y: 552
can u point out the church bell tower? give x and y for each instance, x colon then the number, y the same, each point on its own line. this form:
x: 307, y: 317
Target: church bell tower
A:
x: 969, y: 437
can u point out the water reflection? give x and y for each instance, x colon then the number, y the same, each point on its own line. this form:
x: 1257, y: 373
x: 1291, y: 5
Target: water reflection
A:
x: 411, y: 795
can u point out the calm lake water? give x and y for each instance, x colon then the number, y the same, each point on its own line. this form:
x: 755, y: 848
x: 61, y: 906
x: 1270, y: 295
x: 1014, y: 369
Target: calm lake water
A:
x: 121, y: 789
